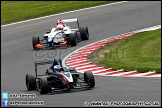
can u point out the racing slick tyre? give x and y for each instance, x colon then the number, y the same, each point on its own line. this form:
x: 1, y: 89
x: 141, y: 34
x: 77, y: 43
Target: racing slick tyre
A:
x: 72, y: 39
x: 35, y: 40
x: 43, y: 85
x: 84, y: 33
x: 89, y: 79
x: 30, y: 82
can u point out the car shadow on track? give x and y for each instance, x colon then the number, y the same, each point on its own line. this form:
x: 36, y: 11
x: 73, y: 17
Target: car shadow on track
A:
x: 56, y: 92
x: 69, y: 91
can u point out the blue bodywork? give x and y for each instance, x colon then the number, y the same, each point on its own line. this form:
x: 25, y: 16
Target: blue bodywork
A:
x: 50, y: 40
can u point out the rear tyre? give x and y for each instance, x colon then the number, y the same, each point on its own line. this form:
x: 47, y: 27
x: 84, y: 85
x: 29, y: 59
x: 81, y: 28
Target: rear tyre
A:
x: 35, y: 40
x: 43, y: 85
x: 72, y: 39
x: 89, y: 79
x: 84, y: 33
x: 30, y: 82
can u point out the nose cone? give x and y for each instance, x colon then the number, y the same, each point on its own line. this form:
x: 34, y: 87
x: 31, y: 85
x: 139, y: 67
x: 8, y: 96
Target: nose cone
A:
x: 50, y: 39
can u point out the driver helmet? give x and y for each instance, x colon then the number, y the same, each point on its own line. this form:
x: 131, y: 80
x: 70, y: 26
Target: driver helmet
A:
x: 60, y: 22
x: 59, y: 27
x: 57, y: 68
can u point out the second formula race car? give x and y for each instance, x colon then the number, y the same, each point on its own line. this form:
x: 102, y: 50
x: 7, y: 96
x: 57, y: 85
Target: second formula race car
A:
x: 58, y: 78
x: 65, y: 36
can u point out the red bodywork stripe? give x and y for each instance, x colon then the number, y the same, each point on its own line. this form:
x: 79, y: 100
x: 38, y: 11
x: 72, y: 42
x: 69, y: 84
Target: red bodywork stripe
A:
x: 59, y: 74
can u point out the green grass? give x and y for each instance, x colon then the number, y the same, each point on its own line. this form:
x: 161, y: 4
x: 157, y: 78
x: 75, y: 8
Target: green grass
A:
x: 141, y: 52
x: 14, y: 11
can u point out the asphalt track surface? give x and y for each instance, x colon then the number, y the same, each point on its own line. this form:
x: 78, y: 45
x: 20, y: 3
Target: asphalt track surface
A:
x: 18, y: 56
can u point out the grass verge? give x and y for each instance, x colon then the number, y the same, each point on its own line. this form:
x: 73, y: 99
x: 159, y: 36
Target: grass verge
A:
x: 141, y: 52
x: 14, y: 11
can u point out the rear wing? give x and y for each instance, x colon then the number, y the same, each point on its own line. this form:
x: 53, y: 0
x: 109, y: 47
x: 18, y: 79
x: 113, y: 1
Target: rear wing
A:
x: 41, y: 63
x: 71, y: 20
x: 55, y: 61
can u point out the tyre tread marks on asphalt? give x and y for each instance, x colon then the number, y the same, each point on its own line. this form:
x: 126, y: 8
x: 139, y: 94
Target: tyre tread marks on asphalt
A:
x: 79, y: 61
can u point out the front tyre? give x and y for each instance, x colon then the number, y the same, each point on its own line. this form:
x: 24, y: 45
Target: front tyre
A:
x: 30, y: 82
x: 35, y: 40
x: 89, y: 79
x: 72, y: 39
x: 43, y: 85
x: 84, y: 33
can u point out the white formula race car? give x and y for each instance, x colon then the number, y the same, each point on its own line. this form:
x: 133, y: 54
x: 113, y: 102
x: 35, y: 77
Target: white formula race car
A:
x: 65, y: 37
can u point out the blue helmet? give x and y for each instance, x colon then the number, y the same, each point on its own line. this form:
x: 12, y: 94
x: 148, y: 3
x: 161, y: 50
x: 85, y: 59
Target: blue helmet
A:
x: 55, y: 62
x: 57, y: 68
